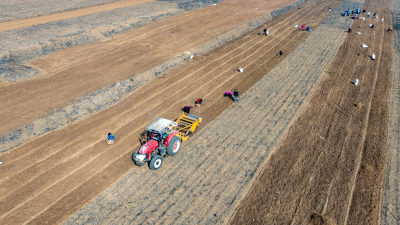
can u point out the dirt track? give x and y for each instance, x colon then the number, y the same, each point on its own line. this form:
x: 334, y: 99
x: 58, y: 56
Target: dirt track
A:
x: 69, y: 77
x: 19, y: 9
x: 72, y: 165
x: 336, y: 149
x: 17, y: 24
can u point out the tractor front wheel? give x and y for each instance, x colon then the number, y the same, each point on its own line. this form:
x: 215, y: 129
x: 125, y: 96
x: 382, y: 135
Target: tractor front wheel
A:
x: 133, y: 158
x: 174, y: 146
x: 156, y: 162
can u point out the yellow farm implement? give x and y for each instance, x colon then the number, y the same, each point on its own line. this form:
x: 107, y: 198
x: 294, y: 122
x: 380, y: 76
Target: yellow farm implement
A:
x: 186, y: 124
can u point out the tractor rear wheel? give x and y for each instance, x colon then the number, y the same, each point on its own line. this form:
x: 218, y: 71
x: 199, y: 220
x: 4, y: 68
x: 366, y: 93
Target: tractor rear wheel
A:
x: 133, y: 158
x: 174, y: 146
x: 156, y: 162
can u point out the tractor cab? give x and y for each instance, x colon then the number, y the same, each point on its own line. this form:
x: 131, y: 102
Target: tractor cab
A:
x: 158, y: 130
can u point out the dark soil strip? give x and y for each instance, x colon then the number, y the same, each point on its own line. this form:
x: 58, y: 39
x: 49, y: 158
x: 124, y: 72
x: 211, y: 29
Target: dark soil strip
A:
x: 330, y: 167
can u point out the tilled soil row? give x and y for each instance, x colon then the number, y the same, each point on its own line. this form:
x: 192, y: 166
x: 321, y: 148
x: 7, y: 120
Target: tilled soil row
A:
x: 72, y: 165
x: 82, y: 70
x: 330, y: 166
x: 104, y: 98
x: 366, y: 203
x: 390, y: 204
x: 225, y: 155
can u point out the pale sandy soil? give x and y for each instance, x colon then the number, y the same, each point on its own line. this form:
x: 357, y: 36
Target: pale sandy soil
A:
x: 391, y: 195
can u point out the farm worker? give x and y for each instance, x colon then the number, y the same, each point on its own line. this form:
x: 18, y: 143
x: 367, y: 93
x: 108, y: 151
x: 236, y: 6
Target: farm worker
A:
x: 349, y: 30
x: 266, y: 32
x: 329, y: 9
x: 373, y: 56
x: 368, y: 14
x: 110, y: 138
x: 228, y: 93
x: 303, y: 27
x: 371, y: 25
x: 235, y: 95
x: 198, y: 102
x: 240, y: 69
x: 187, y: 108
x: 280, y: 52
x: 390, y: 29
x: 309, y: 29
x: 382, y: 19
x: 375, y: 15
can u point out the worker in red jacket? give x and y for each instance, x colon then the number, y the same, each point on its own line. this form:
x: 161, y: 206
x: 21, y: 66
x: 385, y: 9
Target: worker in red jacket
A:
x: 198, y: 102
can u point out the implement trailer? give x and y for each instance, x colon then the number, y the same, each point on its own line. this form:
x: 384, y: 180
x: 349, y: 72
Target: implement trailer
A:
x: 186, y: 124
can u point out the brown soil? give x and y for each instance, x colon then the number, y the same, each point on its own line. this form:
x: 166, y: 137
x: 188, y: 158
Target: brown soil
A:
x: 332, y: 161
x: 17, y: 24
x: 82, y: 70
x: 51, y: 177
x: 208, y: 189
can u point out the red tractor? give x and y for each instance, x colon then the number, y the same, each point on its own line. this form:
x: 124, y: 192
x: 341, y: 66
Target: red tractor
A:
x: 163, y: 138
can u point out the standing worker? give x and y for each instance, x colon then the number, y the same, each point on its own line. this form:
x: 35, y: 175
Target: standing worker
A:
x: 235, y: 95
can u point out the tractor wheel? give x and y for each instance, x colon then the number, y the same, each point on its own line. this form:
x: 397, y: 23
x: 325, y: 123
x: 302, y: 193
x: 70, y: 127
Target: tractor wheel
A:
x: 156, y: 162
x: 133, y: 158
x: 174, y: 146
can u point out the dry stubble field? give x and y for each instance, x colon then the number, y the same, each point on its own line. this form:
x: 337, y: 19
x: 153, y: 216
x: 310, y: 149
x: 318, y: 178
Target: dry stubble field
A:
x: 72, y: 165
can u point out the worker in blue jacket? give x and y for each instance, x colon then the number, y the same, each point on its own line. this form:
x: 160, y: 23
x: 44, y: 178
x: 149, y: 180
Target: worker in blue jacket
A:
x: 110, y: 138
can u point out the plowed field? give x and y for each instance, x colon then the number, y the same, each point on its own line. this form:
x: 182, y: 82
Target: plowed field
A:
x: 336, y: 148
x: 17, y: 24
x: 72, y: 165
x: 225, y: 155
x: 302, y: 145
x: 391, y: 195
x: 81, y: 70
